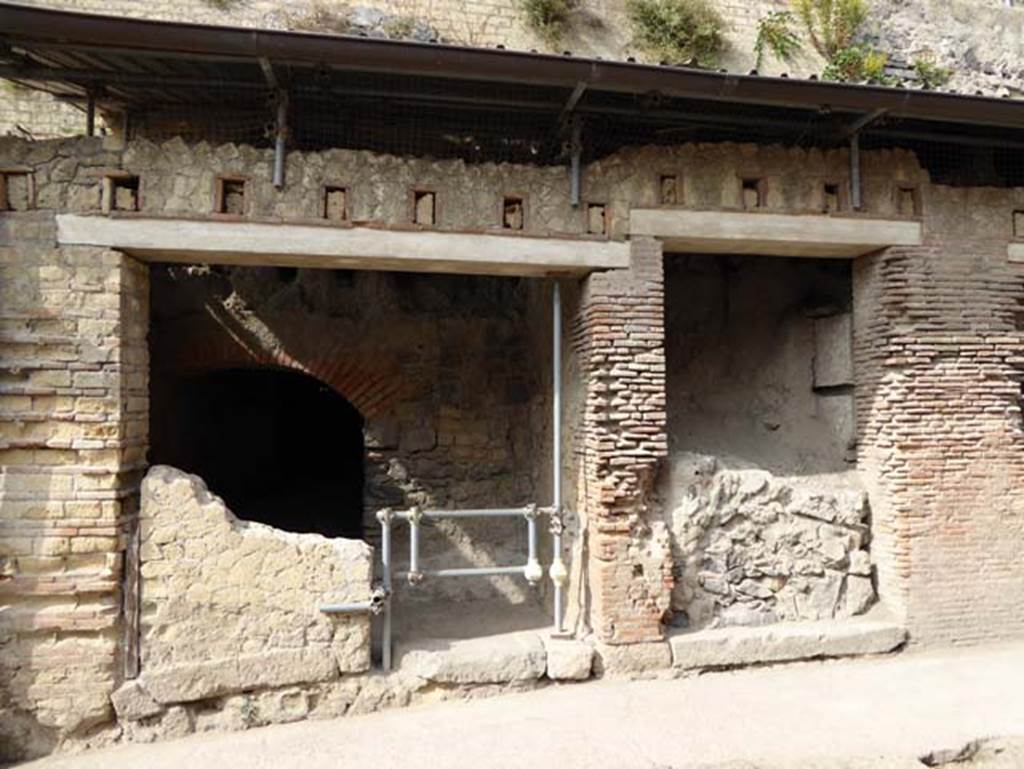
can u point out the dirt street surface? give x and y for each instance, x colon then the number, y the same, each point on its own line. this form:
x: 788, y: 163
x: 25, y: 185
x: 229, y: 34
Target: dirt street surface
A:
x: 963, y: 709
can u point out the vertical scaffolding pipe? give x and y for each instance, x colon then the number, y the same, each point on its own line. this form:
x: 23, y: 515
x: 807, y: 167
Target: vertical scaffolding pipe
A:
x: 557, y: 572
x: 415, y: 516
x: 855, y: 171
x: 384, y: 516
x: 280, y: 138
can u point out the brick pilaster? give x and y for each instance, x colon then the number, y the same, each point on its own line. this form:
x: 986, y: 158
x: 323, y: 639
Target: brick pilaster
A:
x: 939, y: 360
x: 619, y: 336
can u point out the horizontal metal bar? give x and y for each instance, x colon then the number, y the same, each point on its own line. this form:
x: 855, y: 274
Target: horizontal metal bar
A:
x: 484, y: 571
x: 358, y: 607
x: 500, y: 512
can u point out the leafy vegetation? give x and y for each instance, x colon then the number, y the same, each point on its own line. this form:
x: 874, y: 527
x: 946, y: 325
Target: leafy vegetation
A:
x: 677, y: 31
x: 831, y: 25
x: 932, y: 76
x: 548, y: 18
x: 857, y: 63
x: 776, y: 35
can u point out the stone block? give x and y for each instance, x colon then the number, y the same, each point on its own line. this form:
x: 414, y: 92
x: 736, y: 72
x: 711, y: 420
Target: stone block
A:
x: 629, y: 659
x: 132, y: 702
x: 785, y: 641
x: 202, y: 680
x: 569, y: 659
x: 491, y: 659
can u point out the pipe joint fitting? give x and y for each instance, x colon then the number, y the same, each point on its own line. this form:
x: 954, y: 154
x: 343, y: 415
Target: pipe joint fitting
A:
x: 378, y: 599
x: 558, y: 573
x: 530, y: 512
x: 414, y: 577
x: 415, y: 515
x: 533, y: 571
x: 556, y: 525
x: 384, y: 515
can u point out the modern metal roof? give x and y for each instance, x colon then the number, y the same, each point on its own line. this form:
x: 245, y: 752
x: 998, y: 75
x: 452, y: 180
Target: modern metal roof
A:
x: 459, y: 100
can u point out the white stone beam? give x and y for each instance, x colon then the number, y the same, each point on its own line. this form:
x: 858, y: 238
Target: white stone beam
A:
x: 809, y: 235
x: 364, y: 248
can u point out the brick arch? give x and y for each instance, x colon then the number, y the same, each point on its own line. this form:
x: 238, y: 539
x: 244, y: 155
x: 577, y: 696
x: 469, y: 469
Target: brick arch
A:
x: 371, y: 383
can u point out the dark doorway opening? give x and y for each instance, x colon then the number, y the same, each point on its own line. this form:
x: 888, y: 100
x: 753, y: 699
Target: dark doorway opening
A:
x: 278, y: 446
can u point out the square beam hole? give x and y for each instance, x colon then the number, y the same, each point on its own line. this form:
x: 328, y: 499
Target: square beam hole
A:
x: 908, y: 201
x: 120, y: 193
x: 336, y: 204
x: 1018, y: 224
x: 753, y: 192
x: 668, y: 190
x: 597, y: 219
x: 424, y: 208
x: 230, y: 195
x: 830, y: 192
x: 513, y: 213
x: 17, y: 190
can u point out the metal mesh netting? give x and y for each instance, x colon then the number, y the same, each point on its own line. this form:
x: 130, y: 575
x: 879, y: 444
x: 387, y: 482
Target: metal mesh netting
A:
x: 478, y: 122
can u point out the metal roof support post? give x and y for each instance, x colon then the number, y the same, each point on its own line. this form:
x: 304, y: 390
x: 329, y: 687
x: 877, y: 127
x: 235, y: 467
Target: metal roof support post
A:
x: 576, y: 148
x: 281, y: 138
x: 855, y: 171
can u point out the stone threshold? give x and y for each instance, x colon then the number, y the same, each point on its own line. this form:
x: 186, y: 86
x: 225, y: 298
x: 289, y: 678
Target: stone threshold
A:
x: 784, y: 642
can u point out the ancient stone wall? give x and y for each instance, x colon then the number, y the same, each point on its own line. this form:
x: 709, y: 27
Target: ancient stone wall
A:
x: 938, y: 352
x: 73, y: 422
x: 768, y: 519
x: 445, y: 370
x: 231, y: 606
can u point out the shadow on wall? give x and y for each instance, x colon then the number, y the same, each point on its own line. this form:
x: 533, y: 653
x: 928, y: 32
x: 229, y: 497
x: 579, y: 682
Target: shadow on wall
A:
x: 445, y: 371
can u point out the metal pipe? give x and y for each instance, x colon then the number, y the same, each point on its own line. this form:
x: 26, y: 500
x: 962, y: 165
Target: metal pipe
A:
x: 576, y: 148
x: 533, y: 572
x: 498, y: 512
x: 482, y: 571
x: 557, y: 572
x: 384, y: 517
x: 282, y: 134
x: 356, y: 607
x: 374, y: 605
x: 855, y: 171
x: 414, y: 517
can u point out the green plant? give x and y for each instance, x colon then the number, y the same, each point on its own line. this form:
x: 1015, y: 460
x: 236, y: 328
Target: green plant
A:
x: 677, y: 31
x: 831, y: 25
x: 548, y: 18
x: 931, y: 74
x: 857, y: 64
x: 775, y: 35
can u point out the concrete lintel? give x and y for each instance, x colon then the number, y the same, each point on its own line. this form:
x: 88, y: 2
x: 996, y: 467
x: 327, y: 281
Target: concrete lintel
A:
x: 811, y: 235
x: 298, y: 245
x: 1015, y: 253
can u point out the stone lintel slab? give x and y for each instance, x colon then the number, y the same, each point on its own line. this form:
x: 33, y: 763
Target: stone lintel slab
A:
x: 808, y: 235
x: 1015, y: 253
x: 365, y: 248
x: 784, y: 642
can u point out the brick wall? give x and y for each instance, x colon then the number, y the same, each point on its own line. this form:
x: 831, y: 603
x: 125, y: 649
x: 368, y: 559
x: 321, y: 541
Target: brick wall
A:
x: 938, y: 349
x: 73, y: 415
x: 619, y: 335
